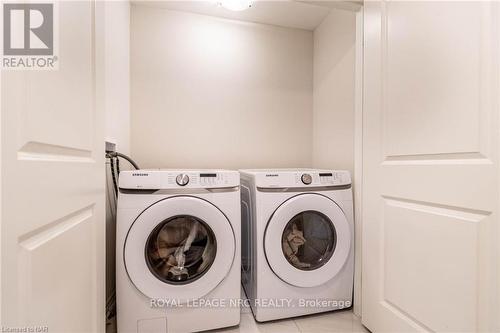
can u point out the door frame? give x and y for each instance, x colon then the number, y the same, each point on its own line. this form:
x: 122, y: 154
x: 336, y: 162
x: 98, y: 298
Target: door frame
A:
x: 358, y: 160
x: 1, y: 191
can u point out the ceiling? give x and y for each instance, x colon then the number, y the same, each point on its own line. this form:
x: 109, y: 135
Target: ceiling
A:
x: 286, y: 13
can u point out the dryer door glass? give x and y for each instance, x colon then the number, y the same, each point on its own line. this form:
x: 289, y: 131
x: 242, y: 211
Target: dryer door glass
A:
x: 180, y: 249
x: 308, y: 240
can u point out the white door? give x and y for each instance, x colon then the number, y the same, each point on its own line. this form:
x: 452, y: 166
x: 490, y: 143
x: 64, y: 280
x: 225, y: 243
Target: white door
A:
x: 52, y: 232
x: 307, y: 240
x: 431, y: 154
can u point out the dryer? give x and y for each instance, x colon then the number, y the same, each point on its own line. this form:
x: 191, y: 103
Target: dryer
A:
x: 178, y: 250
x: 297, y: 242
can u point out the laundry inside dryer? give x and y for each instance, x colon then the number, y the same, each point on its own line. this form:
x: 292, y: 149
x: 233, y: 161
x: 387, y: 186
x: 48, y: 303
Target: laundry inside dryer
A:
x: 309, y: 240
x: 181, y: 249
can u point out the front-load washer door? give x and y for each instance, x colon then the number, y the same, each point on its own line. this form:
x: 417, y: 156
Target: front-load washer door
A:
x: 307, y: 240
x: 179, y: 249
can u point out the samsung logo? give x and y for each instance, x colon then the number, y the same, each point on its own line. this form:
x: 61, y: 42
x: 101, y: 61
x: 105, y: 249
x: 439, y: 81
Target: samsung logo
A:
x: 272, y: 175
x: 140, y: 174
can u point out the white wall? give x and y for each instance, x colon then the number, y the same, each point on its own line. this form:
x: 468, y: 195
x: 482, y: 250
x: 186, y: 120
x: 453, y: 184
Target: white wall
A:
x: 117, y: 71
x: 210, y: 92
x: 333, y: 115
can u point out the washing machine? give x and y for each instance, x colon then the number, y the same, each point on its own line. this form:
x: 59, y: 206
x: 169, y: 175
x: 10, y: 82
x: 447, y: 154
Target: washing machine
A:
x: 178, y: 250
x: 298, y: 241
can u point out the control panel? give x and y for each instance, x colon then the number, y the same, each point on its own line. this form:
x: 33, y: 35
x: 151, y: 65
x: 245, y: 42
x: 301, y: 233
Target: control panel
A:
x: 302, y: 178
x: 172, y: 179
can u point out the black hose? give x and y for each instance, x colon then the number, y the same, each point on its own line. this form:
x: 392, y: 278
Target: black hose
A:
x: 112, y: 163
x: 131, y: 161
x: 113, y: 156
x: 118, y: 168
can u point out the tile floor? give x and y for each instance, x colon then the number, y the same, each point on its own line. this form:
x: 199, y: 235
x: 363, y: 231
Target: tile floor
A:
x: 332, y: 322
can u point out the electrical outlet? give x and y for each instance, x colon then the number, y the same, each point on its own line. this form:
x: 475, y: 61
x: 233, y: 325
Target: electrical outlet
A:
x: 110, y: 147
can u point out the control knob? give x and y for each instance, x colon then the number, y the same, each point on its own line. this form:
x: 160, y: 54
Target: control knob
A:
x: 306, y: 179
x: 182, y: 179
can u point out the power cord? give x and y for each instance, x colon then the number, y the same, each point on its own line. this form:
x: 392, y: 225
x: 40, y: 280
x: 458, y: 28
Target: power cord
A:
x: 114, y: 158
x: 117, y: 154
x: 113, y: 175
x: 114, y: 163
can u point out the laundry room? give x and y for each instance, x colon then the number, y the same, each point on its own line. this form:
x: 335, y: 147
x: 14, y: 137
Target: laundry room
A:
x: 248, y: 166
x: 270, y: 85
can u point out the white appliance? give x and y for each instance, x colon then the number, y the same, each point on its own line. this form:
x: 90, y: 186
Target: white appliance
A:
x: 178, y: 250
x: 297, y: 245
